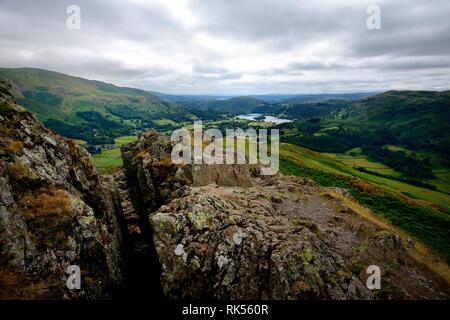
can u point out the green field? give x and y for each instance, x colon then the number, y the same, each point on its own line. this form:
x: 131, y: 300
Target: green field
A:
x: 442, y: 173
x: 110, y: 159
x: 343, y: 164
x: 355, y: 158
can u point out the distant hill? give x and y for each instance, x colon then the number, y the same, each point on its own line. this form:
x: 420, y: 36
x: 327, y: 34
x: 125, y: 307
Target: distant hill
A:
x: 188, y: 97
x: 305, y: 98
x: 304, y: 110
x: 416, y: 120
x: 81, y: 108
x: 292, y: 106
x: 308, y: 98
x: 268, y: 98
x: 230, y: 106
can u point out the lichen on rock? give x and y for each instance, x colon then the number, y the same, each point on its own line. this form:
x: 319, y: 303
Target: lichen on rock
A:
x: 54, y: 212
x: 218, y: 236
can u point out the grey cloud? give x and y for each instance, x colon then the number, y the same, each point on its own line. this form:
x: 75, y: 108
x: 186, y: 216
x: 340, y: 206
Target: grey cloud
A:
x: 201, y: 68
x: 300, y: 46
x: 409, y: 27
x: 291, y: 22
x: 279, y: 71
x: 415, y: 63
x: 315, y: 65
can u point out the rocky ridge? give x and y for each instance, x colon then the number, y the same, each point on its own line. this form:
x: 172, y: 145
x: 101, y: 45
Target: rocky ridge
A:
x: 54, y: 212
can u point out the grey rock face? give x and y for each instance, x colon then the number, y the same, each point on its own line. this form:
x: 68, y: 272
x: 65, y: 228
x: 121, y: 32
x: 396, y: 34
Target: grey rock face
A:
x: 54, y: 212
x: 155, y: 180
x: 216, y: 243
x: 151, y: 175
x: 218, y: 235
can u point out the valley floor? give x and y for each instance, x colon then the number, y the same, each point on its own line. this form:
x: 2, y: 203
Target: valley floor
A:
x: 110, y: 159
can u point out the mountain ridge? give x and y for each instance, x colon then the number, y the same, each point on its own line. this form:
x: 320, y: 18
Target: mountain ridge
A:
x: 80, y: 108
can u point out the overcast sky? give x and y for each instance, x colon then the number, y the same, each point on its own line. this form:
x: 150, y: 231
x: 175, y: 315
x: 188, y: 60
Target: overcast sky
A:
x: 234, y: 46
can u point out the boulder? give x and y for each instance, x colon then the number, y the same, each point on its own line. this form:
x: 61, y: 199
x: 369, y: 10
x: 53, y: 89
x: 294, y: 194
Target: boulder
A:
x: 219, y: 243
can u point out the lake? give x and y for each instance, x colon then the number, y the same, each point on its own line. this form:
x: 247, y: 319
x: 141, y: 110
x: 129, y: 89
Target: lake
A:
x: 253, y: 116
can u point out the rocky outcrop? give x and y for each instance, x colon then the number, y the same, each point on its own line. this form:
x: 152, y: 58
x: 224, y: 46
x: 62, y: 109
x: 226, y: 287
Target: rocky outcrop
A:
x: 219, y: 234
x: 154, y: 179
x: 234, y: 243
x: 54, y: 212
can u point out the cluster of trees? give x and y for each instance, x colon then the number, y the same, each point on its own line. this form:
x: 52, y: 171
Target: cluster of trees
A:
x: 43, y: 96
x: 136, y: 112
x: 96, y: 120
x: 399, y: 161
x: 97, y: 129
x: 207, y: 114
x: 408, y: 180
x: 439, y: 142
x: 341, y: 139
x: 304, y: 110
x: 78, y: 132
x: 93, y: 149
x: 307, y: 134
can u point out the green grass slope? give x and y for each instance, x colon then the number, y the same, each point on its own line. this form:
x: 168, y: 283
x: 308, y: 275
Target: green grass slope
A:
x: 80, y: 108
x: 418, y: 119
x: 343, y: 164
x: 422, y: 213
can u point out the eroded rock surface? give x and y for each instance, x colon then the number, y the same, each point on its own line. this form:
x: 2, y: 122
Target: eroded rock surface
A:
x: 233, y: 243
x: 248, y: 238
x: 54, y: 212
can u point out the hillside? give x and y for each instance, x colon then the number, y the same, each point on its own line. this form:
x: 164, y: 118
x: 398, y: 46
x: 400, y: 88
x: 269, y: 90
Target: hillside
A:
x: 300, y: 111
x: 84, y: 109
x: 413, y: 119
x: 198, y: 231
x: 220, y: 232
x: 423, y: 213
x: 408, y: 131
x: 308, y: 98
x: 418, y: 119
x: 231, y: 106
